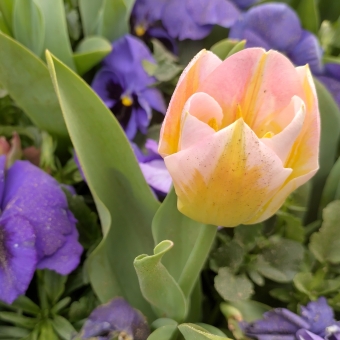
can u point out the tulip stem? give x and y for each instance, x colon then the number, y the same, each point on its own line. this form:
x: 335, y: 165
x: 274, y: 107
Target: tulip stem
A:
x: 197, y: 258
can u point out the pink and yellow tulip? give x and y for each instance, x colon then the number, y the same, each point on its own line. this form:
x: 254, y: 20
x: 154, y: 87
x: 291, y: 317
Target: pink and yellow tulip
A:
x: 240, y: 135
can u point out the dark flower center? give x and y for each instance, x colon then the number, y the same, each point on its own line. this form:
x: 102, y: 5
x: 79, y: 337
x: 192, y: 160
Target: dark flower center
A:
x: 4, y: 254
x: 121, y: 111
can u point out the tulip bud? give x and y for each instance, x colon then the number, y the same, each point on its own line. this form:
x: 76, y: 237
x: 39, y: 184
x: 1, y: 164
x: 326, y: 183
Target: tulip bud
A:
x: 240, y: 135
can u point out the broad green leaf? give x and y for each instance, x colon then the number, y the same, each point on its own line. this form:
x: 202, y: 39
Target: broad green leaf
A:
x: 280, y: 260
x: 63, y: 327
x: 108, y: 18
x: 192, y: 242
x: 56, y: 35
x: 329, y: 9
x: 211, y: 329
x: 232, y: 287
x: 28, y: 25
x: 248, y: 235
x: 158, y: 286
x: 6, y: 8
x: 3, y: 25
x: 90, y: 52
x: 124, y: 201
x: 195, y: 332
x: 309, y: 15
x: 89, y: 11
x: 167, y: 332
x: 332, y: 187
x: 330, y: 133
x: 325, y: 243
x: 27, y: 80
x: 227, y: 47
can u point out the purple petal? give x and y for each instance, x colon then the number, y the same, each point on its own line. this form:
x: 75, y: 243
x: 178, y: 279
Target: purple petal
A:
x: 131, y: 128
x: 319, y: 315
x: 66, y: 258
x: 2, y: 176
x: 303, y: 334
x: 275, y: 24
x: 37, y: 197
x: 243, y: 4
x: 116, y: 315
x: 333, y: 70
x: 157, y: 175
x: 126, y: 60
x: 18, y: 257
x: 108, y: 85
x: 154, y: 99
x: 307, y: 51
x: 180, y: 24
x: 213, y: 12
x: 277, y: 321
x: 152, y: 147
x: 147, y: 12
x: 163, y: 36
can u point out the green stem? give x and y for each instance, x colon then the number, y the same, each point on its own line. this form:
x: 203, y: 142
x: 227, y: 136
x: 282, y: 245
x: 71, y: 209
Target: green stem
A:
x: 197, y: 258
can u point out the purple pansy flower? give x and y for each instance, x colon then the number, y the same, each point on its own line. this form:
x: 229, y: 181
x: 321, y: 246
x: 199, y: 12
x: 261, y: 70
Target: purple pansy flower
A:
x: 153, y: 168
x: 185, y: 19
x: 315, y: 322
x: 125, y: 87
x: 36, y: 228
x: 115, y: 319
x: 277, y: 26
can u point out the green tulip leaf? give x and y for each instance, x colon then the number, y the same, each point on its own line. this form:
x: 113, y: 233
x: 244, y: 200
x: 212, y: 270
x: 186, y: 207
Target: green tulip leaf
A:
x: 186, y: 260
x: 331, y: 190
x: 124, y: 201
x: 28, y: 25
x: 3, y: 25
x: 108, y: 18
x: 309, y: 15
x: 56, y: 35
x: 195, y: 332
x: 226, y: 47
x: 325, y: 243
x: 7, y: 8
x: 330, y: 134
x: 158, y: 286
x: 28, y: 82
x: 90, y: 52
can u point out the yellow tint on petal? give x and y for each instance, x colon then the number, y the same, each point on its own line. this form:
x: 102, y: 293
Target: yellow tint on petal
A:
x: 194, y: 74
x: 229, y: 188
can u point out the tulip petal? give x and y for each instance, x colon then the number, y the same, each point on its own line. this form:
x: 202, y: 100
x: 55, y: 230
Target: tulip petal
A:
x: 227, y: 177
x: 195, y: 73
x: 201, y: 117
x: 303, y: 158
x: 246, y: 84
x: 282, y: 143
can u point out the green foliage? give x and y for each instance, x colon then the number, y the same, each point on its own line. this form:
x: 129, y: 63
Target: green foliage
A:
x: 231, y: 287
x: 28, y: 82
x: 309, y: 15
x: 124, y: 201
x: 195, y: 332
x: 325, y: 243
x: 158, y: 286
x: 227, y: 47
x: 108, y: 18
x: 330, y: 133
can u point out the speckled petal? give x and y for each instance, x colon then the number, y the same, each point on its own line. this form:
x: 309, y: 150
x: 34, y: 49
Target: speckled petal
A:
x: 193, y: 75
x: 66, y: 258
x: 116, y: 315
x: 37, y: 197
x: 18, y: 257
x: 226, y: 178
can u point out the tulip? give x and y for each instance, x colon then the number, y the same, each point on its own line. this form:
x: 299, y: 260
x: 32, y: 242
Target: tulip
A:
x: 240, y: 135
